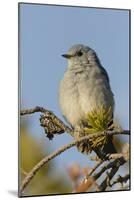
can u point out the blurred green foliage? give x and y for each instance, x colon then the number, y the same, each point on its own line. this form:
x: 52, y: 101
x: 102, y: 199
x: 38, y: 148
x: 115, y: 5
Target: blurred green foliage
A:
x: 47, y: 180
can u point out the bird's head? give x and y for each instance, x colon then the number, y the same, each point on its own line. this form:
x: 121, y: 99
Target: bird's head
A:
x: 80, y: 54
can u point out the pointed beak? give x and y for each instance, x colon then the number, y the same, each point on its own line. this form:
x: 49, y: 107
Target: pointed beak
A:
x: 67, y: 56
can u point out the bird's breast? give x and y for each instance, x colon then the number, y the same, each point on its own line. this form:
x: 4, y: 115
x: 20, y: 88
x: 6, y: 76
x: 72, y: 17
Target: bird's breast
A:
x: 81, y: 92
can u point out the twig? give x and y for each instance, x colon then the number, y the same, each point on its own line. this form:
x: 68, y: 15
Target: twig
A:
x: 52, y: 123
x: 109, y: 165
x: 112, y: 156
x: 88, y: 181
x: 33, y: 110
x: 125, y: 155
x: 119, y: 159
x: 59, y: 151
x: 45, y: 160
x: 55, y: 121
x: 95, y: 167
x: 121, y: 179
x: 115, y: 166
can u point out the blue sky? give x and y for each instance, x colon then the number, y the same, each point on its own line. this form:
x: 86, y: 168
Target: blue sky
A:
x: 46, y: 32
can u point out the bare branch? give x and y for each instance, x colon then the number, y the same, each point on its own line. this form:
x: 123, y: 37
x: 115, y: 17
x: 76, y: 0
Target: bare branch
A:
x: 45, y: 160
x: 115, y: 166
x: 112, y: 156
x: 33, y: 110
x: 88, y: 181
x: 53, y: 155
x: 121, y: 179
x: 125, y: 155
x: 95, y: 167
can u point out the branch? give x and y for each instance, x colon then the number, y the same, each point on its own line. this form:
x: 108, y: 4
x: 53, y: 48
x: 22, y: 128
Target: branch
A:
x: 33, y: 110
x: 115, y: 166
x: 95, y: 167
x: 125, y: 155
x: 53, y: 125
x: 45, y: 160
x: 121, y: 179
x: 88, y: 181
x: 112, y: 156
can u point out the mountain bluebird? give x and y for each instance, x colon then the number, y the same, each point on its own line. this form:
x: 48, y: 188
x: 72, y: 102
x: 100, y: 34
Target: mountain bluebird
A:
x: 85, y: 87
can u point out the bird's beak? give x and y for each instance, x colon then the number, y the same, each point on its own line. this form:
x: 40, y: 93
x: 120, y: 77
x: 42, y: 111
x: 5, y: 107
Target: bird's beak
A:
x: 67, y: 56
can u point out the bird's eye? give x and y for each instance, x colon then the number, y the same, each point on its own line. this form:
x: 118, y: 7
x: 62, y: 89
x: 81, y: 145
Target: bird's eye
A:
x: 79, y: 53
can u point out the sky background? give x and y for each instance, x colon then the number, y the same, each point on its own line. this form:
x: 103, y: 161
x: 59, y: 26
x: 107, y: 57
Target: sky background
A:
x: 47, y: 32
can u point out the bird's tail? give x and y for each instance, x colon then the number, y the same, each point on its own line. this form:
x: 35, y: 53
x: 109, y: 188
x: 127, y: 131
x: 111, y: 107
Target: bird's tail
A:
x: 108, y: 148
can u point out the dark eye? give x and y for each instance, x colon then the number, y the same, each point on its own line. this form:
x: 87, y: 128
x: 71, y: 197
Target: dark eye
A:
x: 79, y: 53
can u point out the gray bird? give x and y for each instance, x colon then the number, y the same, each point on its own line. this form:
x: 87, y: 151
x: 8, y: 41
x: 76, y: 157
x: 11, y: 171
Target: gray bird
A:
x: 84, y: 87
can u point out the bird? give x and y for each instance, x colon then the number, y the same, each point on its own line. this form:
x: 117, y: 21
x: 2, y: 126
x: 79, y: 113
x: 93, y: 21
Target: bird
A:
x: 85, y: 88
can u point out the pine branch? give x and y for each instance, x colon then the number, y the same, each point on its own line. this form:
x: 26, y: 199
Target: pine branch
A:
x: 45, y: 160
x: 50, y: 122
x: 53, y: 125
